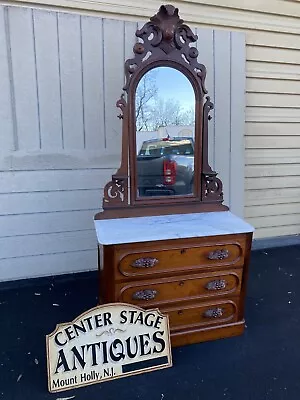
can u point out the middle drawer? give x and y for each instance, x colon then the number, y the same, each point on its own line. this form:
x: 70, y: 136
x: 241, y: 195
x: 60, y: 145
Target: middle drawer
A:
x: 180, y: 288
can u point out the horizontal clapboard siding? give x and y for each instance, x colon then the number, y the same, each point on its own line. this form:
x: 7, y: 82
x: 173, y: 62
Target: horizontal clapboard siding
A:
x: 42, y: 202
x: 47, y: 222
x: 61, y: 74
x: 272, y: 182
x: 47, y: 181
x: 46, y: 243
x: 56, y: 157
x: 48, y: 264
x: 272, y: 88
x: 272, y: 135
x: 257, y: 197
x: 254, y: 15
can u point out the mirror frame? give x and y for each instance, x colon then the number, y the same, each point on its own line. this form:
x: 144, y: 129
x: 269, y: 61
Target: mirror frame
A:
x: 196, y: 195
x: 163, y: 41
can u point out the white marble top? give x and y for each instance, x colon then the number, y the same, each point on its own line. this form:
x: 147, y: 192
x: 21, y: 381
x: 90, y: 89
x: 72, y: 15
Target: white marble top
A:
x: 164, y: 227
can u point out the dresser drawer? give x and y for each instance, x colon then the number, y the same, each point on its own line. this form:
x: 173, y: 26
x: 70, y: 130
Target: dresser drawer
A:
x: 206, y: 314
x: 169, y: 290
x: 166, y: 261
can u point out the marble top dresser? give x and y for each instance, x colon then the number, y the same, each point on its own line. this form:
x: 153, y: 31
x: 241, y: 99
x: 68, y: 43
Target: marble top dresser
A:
x: 192, y: 267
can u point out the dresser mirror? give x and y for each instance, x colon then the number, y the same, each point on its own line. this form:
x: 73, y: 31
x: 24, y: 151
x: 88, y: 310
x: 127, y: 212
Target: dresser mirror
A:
x: 165, y: 133
x: 165, y: 114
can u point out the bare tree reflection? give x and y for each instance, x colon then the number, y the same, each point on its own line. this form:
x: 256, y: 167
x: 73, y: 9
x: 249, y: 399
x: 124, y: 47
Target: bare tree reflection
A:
x: 154, y: 111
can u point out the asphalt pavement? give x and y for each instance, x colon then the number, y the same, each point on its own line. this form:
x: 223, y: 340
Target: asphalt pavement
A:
x: 264, y: 363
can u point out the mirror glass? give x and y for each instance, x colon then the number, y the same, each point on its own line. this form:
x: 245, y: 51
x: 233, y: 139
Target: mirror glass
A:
x: 165, y: 133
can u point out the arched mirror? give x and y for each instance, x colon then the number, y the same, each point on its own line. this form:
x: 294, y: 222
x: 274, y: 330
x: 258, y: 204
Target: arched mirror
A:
x: 165, y: 114
x: 165, y: 133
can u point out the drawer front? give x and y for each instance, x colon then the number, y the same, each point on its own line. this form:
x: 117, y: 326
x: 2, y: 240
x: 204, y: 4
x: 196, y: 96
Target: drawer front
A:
x: 171, y: 260
x: 216, y: 312
x: 180, y: 288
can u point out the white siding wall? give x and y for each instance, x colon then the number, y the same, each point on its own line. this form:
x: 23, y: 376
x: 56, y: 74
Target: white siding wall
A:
x: 273, y: 133
x: 61, y: 75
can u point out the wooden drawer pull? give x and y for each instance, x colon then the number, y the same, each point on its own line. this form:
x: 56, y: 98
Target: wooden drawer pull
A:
x: 213, y: 313
x: 146, y: 262
x: 218, y: 284
x: 218, y: 254
x: 146, y: 294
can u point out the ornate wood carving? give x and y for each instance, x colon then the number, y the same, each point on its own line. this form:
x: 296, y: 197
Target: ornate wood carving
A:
x: 147, y: 262
x: 116, y: 191
x: 146, y: 294
x: 218, y: 284
x: 163, y: 34
x: 163, y: 41
x: 212, y: 188
x: 220, y: 254
x: 213, y: 312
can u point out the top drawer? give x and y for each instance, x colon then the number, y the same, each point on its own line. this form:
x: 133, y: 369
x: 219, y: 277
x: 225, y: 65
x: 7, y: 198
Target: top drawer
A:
x: 181, y: 258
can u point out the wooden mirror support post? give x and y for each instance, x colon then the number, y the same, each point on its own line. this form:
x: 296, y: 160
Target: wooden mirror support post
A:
x: 186, y: 254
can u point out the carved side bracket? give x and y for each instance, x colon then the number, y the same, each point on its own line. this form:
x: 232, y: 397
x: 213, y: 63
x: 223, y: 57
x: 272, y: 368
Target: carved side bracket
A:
x: 121, y: 104
x: 212, y: 187
x: 116, y: 193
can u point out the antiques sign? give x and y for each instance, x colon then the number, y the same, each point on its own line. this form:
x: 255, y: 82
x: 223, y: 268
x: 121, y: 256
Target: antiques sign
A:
x: 107, y: 342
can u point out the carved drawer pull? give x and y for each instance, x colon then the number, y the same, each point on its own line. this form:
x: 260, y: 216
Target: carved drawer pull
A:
x: 218, y: 254
x: 146, y: 262
x: 213, y: 313
x: 146, y: 294
x: 218, y: 284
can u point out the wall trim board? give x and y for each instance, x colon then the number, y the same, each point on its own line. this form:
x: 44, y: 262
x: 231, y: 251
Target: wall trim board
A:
x: 192, y: 12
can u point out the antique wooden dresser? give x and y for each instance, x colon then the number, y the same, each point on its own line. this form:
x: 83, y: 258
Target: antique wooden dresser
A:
x: 193, y: 267
x: 165, y: 239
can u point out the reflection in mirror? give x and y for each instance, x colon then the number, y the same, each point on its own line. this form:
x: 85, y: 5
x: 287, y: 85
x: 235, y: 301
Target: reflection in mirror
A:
x: 165, y: 133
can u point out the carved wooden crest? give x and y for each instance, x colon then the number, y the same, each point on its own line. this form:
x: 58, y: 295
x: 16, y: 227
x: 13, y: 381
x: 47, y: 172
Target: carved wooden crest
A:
x: 163, y: 41
x: 165, y: 34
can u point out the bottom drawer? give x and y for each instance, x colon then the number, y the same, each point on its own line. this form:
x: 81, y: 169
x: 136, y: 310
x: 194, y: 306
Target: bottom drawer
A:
x: 202, y: 314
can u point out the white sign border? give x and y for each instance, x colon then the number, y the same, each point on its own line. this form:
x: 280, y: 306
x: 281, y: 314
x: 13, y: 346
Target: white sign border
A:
x: 126, y: 374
